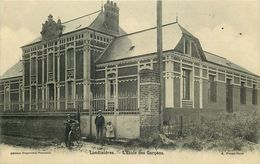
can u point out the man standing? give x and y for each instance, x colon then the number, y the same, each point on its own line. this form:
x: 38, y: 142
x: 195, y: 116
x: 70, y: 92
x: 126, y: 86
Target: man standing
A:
x: 100, y: 122
x: 67, y: 124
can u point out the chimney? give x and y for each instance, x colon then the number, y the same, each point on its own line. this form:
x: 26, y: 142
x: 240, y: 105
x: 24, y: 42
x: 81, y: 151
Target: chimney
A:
x: 111, y: 16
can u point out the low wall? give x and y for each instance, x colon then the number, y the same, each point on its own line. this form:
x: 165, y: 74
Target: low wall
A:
x: 45, y: 127
x: 52, y: 127
x: 125, y: 126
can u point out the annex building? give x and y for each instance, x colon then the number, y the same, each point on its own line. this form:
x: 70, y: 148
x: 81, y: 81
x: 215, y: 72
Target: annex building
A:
x: 90, y: 63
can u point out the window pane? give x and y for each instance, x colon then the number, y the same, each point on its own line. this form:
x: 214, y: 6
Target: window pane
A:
x: 186, y: 84
x: 243, y: 93
x: 50, y: 63
x: 33, y: 71
x: 39, y: 71
x: 212, y: 89
x: 70, y: 91
x: 27, y: 73
x: 62, y: 68
x: 70, y: 58
x: 45, y: 70
x: 79, y: 64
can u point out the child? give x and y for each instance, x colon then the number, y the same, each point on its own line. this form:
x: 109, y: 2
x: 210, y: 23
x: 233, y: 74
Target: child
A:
x: 109, y: 131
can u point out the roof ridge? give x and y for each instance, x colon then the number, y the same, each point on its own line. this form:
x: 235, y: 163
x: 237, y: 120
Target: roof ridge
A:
x: 81, y: 17
x: 136, y: 32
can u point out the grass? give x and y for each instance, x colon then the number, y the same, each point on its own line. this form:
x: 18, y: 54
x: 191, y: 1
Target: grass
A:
x: 239, y: 131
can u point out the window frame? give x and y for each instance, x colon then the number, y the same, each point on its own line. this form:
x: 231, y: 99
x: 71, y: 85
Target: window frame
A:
x: 243, y: 93
x: 186, y: 84
x: 212, y: 89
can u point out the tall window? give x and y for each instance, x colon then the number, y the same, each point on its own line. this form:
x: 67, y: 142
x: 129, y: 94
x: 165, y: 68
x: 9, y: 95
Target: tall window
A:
x: 33, y: 70
x: 212, y: 89
x: 7, y: 98
x: 45, y: 69
x: 62, y: 67
x: 187, y: 46
x: 27, y: 73
x: 254, y: 95
x: 243, y: 93
x: 79, y: 63
x: 50, y: 63
x: 39, y: 71
x: 70, y: 58
x: 186, y: 84
x: 111, y: 88
x: 70, y: 91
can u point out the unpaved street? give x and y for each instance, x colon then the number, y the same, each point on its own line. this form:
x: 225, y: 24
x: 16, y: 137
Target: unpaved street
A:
x: 92, y: 153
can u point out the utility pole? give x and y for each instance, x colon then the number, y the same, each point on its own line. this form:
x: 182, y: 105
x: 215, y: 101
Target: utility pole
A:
x: 160, y: 60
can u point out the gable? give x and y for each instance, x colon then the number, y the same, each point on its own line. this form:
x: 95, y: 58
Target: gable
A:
x: 190, y: 46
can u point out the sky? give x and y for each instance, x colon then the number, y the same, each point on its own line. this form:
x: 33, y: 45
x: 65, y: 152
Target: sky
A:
x: 229, y: 28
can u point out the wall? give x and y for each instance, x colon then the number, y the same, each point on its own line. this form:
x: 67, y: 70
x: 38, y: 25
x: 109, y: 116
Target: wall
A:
x: 52, y: 127
x: 45, y: 127
x: 220, y: 103
x: 149, y: 103
x: 125, y: 126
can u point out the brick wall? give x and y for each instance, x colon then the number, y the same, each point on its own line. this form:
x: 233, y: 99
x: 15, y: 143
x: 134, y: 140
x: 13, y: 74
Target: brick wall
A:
x: 149, y: 103
x: 45, y: 127
x: 220, y: 103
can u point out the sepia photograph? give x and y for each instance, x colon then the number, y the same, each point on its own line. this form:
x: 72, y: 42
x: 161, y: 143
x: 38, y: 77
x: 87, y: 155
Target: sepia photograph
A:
x: 113, y: 81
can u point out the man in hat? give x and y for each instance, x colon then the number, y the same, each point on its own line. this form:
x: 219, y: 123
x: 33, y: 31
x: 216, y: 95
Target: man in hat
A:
x: 100, y: 122
x: 67, y: 124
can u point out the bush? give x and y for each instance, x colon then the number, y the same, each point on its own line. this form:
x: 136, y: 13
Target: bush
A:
x: 230, y: 131
x: 194, y: 145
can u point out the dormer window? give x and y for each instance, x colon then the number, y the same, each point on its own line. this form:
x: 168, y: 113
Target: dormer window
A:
x: 187, y: 47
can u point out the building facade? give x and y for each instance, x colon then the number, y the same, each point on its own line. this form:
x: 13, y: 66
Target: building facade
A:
x: 90, y: 64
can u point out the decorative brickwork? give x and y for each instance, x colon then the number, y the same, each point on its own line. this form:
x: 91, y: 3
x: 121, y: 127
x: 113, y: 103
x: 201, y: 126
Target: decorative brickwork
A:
x: 149, y: 103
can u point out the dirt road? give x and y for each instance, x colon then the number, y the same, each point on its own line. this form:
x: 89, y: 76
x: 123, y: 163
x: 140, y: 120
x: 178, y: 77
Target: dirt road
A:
x: 93, y: 153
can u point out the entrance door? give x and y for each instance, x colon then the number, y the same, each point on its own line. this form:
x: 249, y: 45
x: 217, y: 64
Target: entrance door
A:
x: 229, y: 97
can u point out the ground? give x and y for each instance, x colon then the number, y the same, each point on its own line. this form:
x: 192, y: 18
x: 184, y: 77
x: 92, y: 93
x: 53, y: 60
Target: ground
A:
x: 42, y: 151
x: 232, y: 140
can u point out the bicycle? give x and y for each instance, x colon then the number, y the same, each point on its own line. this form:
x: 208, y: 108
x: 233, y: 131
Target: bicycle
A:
x: 74, y: 134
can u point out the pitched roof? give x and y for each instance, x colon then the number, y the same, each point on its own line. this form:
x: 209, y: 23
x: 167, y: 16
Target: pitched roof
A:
x: 98, y: 25
x: 213, y: 58
x: 142, y: 43
x: 93, y: 21
x: 14, y: 71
